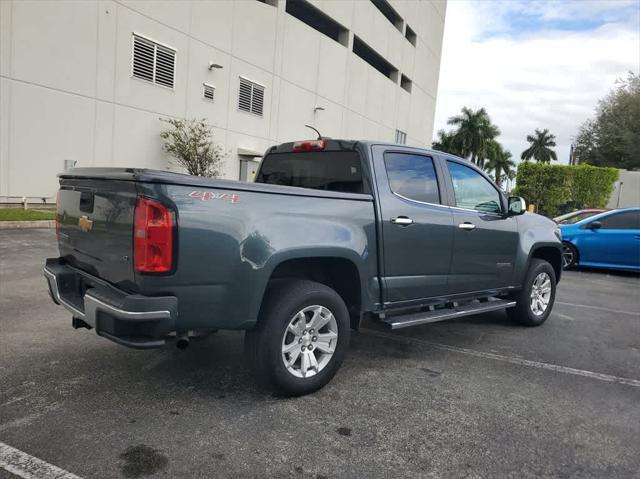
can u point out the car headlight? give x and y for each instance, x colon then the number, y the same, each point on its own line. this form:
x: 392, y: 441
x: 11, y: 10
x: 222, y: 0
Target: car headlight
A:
x: 558, y: 233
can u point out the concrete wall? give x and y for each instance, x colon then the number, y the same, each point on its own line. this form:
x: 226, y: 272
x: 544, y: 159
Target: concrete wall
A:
x: 67, y: 93
x: 627, y: 190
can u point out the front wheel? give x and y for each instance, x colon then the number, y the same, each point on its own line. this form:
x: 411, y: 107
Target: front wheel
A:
x: 535, y: 301
x: 301, y: 337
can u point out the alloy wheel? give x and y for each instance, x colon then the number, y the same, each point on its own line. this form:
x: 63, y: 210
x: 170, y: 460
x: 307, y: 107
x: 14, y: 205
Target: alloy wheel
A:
x: 540, y: 294
x: 309, y: 341
x: 567, y: 256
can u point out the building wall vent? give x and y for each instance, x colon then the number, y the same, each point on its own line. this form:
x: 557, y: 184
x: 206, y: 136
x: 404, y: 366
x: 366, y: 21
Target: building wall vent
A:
x: 208, y: 91
x: 251, y: 97
x: 401, y: 137
x: 153, y: 62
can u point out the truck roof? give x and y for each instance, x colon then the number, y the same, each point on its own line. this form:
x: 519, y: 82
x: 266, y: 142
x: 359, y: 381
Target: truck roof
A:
x: 340, y: 144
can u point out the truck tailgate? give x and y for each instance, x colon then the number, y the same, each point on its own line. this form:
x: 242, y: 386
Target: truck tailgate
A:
x: 95, y: 227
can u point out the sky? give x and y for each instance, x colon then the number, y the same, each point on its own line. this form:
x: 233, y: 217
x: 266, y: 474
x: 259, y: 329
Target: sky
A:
x: 535, y: 64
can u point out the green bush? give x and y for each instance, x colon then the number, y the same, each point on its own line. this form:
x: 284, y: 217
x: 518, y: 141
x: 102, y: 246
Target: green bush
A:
x: 558, y: 189
x: 592, y: 186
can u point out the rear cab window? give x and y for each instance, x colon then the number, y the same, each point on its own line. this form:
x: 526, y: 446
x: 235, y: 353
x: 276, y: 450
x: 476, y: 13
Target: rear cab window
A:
x: 322, y: 170
x: 412, y: 176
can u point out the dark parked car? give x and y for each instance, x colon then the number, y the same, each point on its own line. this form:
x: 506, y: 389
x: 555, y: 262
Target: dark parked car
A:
x: 331, y: 232
x: 607, y: 240
x: 575, y: 216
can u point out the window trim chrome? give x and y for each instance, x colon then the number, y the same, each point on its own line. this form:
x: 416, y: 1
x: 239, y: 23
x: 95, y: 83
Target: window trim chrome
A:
x: 418, y: 201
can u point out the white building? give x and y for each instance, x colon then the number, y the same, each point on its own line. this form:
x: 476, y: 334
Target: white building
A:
x: 87, y: 81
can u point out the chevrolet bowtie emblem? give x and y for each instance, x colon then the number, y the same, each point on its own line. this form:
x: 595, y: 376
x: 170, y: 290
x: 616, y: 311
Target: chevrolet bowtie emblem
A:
x: 85, y: 223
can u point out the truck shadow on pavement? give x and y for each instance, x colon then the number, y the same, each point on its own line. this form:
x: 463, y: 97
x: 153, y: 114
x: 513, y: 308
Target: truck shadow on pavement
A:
x: 215, y: 366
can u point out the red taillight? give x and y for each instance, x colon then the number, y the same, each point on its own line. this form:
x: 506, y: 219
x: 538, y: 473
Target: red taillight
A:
x: 309, y: 145
x: 58, y: 218
x: 152, y: 237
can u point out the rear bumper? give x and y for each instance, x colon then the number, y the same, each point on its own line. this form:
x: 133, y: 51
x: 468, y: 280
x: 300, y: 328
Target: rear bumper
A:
x: 133, y: 320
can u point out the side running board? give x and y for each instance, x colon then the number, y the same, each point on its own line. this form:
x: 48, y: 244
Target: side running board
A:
x: 451, y: 311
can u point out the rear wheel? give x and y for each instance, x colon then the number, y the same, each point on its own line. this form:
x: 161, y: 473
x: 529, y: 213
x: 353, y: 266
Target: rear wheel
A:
x: 301, y: 337
x: 569, y: 255
x: 535, y: 301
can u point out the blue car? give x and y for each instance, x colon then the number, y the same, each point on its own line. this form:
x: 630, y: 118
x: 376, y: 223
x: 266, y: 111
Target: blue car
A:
x: 606, y: 240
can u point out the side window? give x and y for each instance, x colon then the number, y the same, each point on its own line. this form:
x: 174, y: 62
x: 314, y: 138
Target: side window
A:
x: 472, y: 190
x: 627, y: 220
x: 412, y: 176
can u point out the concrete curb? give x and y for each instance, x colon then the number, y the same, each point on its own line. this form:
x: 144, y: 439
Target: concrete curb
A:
x: 16, y: 225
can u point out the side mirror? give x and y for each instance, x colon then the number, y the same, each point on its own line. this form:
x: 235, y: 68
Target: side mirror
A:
x: 594, y: 225
x: 517, y: 205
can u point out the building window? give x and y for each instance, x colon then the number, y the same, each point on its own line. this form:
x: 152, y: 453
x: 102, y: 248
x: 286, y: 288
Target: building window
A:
x: 405, y: 83
x: 410, y: 35
x: 390, y: 14
x: 401, y: 137
x: 316, y: 19
x: 374, y: 59
x: 208, y: 91
x: 251, y: 97
x: 153, y: 62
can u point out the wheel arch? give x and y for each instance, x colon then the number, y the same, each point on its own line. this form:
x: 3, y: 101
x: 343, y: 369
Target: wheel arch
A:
x: 340, y: 273
x: 551, y: 254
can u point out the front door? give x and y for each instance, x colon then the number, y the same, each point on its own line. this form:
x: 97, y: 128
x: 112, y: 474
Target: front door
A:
x: 417, y: 228
x: 485, y: 240
x: 616, y: 242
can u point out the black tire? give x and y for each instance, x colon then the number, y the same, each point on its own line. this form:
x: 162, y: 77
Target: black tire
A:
x: 264, y: 343
x: 522, y: 312
x: 569, y: 256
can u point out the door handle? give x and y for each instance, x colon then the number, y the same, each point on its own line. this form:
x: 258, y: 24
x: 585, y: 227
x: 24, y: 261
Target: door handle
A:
x: 467, y: 226
x: 402, y: 220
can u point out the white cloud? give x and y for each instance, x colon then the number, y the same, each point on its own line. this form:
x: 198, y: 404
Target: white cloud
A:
x: 544, y: 77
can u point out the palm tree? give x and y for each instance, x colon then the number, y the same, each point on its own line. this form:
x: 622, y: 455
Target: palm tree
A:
x: 447, y: 142
x: 540, y: 148
x: 474, y: 132
x: 500, y: 163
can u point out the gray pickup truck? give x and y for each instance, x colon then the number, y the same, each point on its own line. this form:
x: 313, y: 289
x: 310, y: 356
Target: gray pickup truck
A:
x: 331, y: 232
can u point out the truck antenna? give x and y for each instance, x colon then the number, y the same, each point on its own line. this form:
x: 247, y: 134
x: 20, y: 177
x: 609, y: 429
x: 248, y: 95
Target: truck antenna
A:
x: 319, y: 135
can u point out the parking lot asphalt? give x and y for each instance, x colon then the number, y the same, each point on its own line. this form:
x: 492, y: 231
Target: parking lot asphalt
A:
x: 476, y: 397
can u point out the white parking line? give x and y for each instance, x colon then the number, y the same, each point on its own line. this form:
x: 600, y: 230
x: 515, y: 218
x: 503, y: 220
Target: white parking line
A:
x: 508, y: 359
x: 23, y: 465
x: 599, y: 308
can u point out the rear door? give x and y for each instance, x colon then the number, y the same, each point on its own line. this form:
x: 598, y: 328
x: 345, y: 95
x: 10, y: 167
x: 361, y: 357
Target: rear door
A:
x: 417, y: 228
x: 96, y: 227
x: 616, y: 242
x: 485, y: 240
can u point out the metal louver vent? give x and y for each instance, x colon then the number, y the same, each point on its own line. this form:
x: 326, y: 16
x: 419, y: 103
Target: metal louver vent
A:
x: 153, y: 62
x: 208, y: 91
x: 251, y: 97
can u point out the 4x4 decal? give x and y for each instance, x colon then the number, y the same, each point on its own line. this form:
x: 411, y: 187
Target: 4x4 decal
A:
x: 210, y: 195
